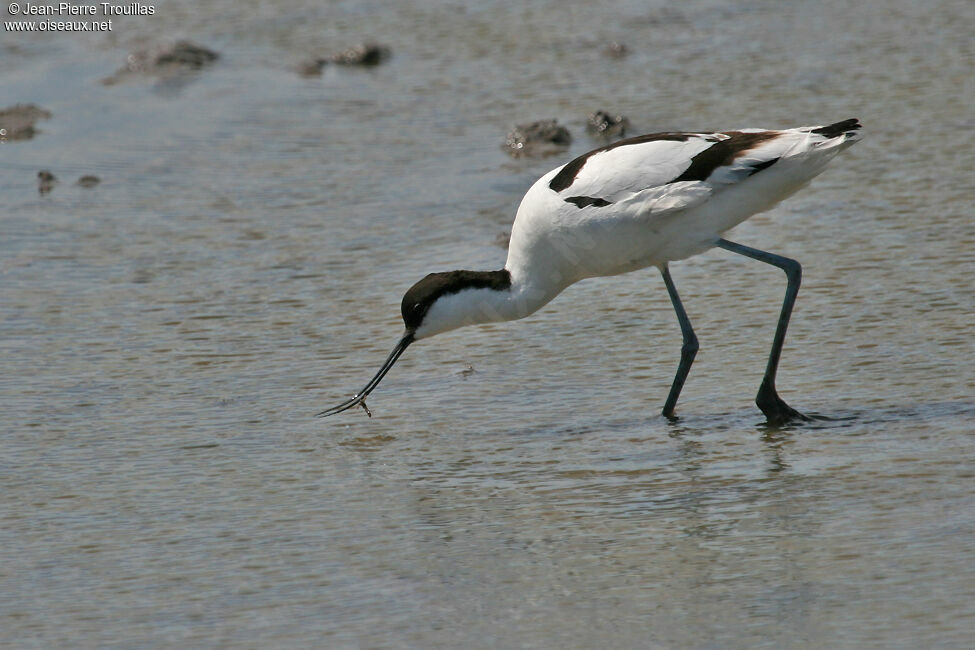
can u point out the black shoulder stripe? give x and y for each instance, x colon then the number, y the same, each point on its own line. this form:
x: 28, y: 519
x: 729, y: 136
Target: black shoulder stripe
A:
x: 585, y: 201
x: 723, y: 152
x: 568, y: 173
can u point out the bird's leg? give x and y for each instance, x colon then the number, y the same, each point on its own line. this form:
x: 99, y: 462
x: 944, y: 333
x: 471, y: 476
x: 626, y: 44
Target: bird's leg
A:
x: 687, y: 351
x: 774, y: 407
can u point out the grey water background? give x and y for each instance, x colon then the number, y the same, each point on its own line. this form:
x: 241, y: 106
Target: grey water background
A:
x: 168, y: 335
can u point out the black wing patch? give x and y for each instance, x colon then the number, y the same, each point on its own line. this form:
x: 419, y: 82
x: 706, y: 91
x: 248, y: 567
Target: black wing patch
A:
x: 586, y: 201
x: 723, y: 153
x: 839, y: 128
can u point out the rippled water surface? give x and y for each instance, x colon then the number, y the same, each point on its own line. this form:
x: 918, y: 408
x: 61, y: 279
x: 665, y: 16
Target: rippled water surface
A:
x: 168, y: 335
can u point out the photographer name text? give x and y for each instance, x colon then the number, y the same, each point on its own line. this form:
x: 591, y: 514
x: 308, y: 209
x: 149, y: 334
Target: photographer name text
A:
x: 69, y: 9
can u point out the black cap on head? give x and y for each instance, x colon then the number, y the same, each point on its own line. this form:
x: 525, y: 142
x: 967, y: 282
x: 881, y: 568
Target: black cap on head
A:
x: 419, y: 298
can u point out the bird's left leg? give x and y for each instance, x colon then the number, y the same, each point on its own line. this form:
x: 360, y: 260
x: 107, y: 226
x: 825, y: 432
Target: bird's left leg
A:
x: 774, y: 407
x: 687, y: 351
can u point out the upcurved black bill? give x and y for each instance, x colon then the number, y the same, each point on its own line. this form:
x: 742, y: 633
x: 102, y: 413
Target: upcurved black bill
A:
x: 359, y: 397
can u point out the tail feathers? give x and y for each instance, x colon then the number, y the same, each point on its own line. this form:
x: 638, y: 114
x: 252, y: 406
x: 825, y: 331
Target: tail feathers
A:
x: 846, y: 127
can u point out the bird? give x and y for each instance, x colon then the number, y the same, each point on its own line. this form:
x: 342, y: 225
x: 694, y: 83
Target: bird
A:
x: 640, y: 202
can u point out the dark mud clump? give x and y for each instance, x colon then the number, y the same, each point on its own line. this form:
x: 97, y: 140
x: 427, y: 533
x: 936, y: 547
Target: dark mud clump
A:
x: 537, y: 139
x: 17, y: 121
x: 46, y: 181
x: 364, y: 55
x: 164, y: 62
x: 89, y: 181
x: 186, y: 55
x: 616, y: 50
x: 311, y: 67
x: 607, y: 125
x: 367, y: 54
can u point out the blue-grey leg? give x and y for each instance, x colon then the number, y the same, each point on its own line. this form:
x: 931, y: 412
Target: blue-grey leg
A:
x: 775, y: 409
x: 687, y: 351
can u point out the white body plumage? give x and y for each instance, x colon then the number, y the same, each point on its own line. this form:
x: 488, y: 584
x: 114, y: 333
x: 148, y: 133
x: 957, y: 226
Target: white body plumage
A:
x: 640, y: 216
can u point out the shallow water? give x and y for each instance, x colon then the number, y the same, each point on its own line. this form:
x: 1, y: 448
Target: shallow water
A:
x: 168, y: 335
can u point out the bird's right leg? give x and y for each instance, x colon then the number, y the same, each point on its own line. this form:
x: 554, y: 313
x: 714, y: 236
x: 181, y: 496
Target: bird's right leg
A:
x: 687, y: 351
x: 774, y: 407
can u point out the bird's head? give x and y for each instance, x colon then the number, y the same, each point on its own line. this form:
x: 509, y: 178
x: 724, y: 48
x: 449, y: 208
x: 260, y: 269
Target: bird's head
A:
x: 444, y: 301
x: 438, y: 303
